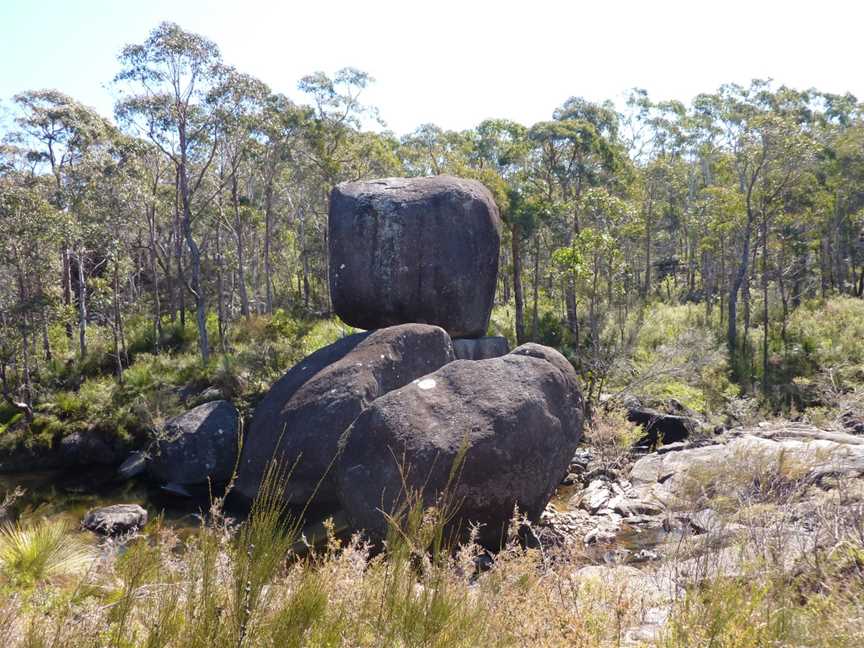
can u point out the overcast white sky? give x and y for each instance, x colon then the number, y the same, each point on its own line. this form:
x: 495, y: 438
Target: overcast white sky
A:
x: 449, y: 62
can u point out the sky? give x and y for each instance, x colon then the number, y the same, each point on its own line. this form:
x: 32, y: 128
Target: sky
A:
x: 453, y: 63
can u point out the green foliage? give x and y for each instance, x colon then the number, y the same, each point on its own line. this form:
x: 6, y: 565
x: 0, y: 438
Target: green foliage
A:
x: 676, y: 354
x: 34, y: 552
x: 175, y: 338
x: 502, y: 322
x: 825, y: 337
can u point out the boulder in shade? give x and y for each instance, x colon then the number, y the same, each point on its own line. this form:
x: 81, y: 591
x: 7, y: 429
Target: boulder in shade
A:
x: 480, y: 348
x: 114, y: 520
x: 198, y: 446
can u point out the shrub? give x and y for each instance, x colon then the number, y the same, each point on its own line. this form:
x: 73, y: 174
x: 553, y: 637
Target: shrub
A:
x: 675, y: 353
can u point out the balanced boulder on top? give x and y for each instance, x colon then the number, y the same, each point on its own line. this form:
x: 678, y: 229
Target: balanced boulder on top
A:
x: 414, y: 250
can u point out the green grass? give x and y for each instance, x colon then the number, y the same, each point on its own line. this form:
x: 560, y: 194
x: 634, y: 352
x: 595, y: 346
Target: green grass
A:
x: 33, y: 552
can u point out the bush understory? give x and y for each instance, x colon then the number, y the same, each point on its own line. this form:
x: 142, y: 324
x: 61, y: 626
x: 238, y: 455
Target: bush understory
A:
x: 246, y: 583
x: 662, y: 352
x: 258, y: 583
x: 84, y: 394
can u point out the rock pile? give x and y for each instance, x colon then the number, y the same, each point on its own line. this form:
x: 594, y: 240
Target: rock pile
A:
x: 399, y: 406
x: 664, y: 490
x: 516, y: 418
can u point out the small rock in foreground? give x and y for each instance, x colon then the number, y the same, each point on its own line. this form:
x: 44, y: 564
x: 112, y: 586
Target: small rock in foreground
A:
x: 115, y: 520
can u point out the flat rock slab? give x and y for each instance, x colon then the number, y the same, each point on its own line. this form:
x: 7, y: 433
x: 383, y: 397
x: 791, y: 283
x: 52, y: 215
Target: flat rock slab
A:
x: 406, y: 250
x: 798, y: 451
x: 480, y: 348
x: 115, y: 520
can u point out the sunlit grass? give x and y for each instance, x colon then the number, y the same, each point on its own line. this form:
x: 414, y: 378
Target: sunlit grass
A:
x: 34, y: 552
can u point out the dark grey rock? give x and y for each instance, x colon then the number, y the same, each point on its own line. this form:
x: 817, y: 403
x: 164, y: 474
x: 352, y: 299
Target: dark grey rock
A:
x: 853, y: 422
x: 135, y: 464
x: 414, y: 250
x: 88, y: 448
x: 118, y: 519
x: 480, y: 348
x: 197, y: 446
x: 660, y: 427
x: 301, y: 418
x: 519, y: 416
x: 177, y: 490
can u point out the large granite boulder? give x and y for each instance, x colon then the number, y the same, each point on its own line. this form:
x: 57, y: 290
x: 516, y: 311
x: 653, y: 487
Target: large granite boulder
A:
x: 519, y: 416
x: 300, y: 420
x: 414, y: 250
x: 198, y: 446
x: 89, y: 448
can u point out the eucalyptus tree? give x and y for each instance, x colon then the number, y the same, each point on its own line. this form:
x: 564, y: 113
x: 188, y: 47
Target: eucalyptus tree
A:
x: 769, y: 151
x: 168, y: 85
x: 62, y: 133
x: 338, y: 115
x: 30, y: 225
x: 240, y: 113
x: 576, y: 150
x: 500, y: 153
x: 279, y: 130
x: 839, y: 128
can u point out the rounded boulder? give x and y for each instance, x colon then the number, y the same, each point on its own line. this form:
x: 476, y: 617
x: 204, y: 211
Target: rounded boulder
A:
x: 509, y: 425
x: 198, y: 446
x: 414, y: 250
x: 300, y: 420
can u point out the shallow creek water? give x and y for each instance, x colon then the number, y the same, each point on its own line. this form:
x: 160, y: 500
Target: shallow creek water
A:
x: 631, y: 538
x: 68, y: 495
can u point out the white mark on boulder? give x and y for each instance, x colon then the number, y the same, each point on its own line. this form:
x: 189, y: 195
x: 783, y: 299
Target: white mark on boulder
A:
x: 426, y: 383
x: 342, y: 267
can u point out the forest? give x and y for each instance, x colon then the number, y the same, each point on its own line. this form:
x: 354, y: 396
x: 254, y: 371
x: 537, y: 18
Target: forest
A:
x: 708, y: 255
x: 203, y: 203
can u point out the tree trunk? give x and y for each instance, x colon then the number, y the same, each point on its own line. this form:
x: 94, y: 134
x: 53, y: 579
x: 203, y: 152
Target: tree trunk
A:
x: 516, y: 246
x: 82, y: 306
x: 27, y: 404
x: 737, y: 283
x: 268, y: 234
x: 194, y: 257
x: 116, y: 328
x: 154, y: 271
x: 67, y: 288
x: 241, y: 251
x: 304, y: 258
x: 646, y: 289
x: 180, y: 288
x: 764, y: 227
x: 220, y: 288
x: 535, y: 321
